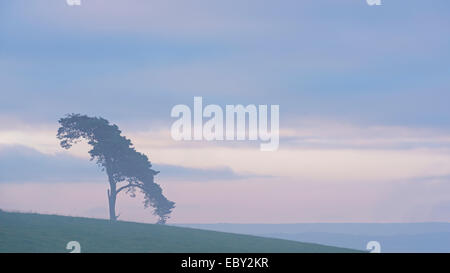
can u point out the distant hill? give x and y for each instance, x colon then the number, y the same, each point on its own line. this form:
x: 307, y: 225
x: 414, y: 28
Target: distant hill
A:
x: 393, y: 237
x: 25, y: 232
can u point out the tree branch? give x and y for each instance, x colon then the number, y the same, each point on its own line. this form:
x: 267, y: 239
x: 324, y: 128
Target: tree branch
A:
x: 129, y: 186
x: 124, y: 187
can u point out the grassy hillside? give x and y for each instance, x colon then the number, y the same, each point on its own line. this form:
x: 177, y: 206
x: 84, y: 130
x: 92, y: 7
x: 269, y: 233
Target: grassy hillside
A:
x: 21, y: 232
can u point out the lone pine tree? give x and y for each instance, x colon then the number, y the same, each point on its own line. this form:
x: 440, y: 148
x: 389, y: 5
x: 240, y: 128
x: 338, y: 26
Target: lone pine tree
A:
x: 127, y: 169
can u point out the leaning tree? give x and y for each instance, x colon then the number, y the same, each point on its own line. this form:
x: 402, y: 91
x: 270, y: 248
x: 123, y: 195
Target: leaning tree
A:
x: 127, y: 169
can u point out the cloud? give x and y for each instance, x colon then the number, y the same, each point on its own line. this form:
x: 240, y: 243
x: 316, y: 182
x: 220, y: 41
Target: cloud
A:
x: 22, y: 164
x: 179, y: 173
x: 329, y: 134
x: 314, y: 150
x: 25, y: 164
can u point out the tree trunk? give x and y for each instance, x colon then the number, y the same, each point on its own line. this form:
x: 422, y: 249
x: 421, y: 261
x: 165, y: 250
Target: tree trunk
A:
x: 112, y: 194
x: 112, y: 204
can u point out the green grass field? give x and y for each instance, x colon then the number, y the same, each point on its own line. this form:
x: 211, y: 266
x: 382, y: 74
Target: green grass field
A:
x: 24, y: 232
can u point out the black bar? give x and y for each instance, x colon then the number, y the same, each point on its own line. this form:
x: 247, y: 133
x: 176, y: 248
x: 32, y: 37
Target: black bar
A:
x: 228, y: 262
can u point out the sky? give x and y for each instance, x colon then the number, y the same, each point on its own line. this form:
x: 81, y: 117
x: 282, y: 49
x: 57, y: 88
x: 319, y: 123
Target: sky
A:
x: 363, y: 94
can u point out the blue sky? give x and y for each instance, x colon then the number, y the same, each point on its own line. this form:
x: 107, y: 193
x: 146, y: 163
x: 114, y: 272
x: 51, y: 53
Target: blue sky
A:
x: 365, y: 86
